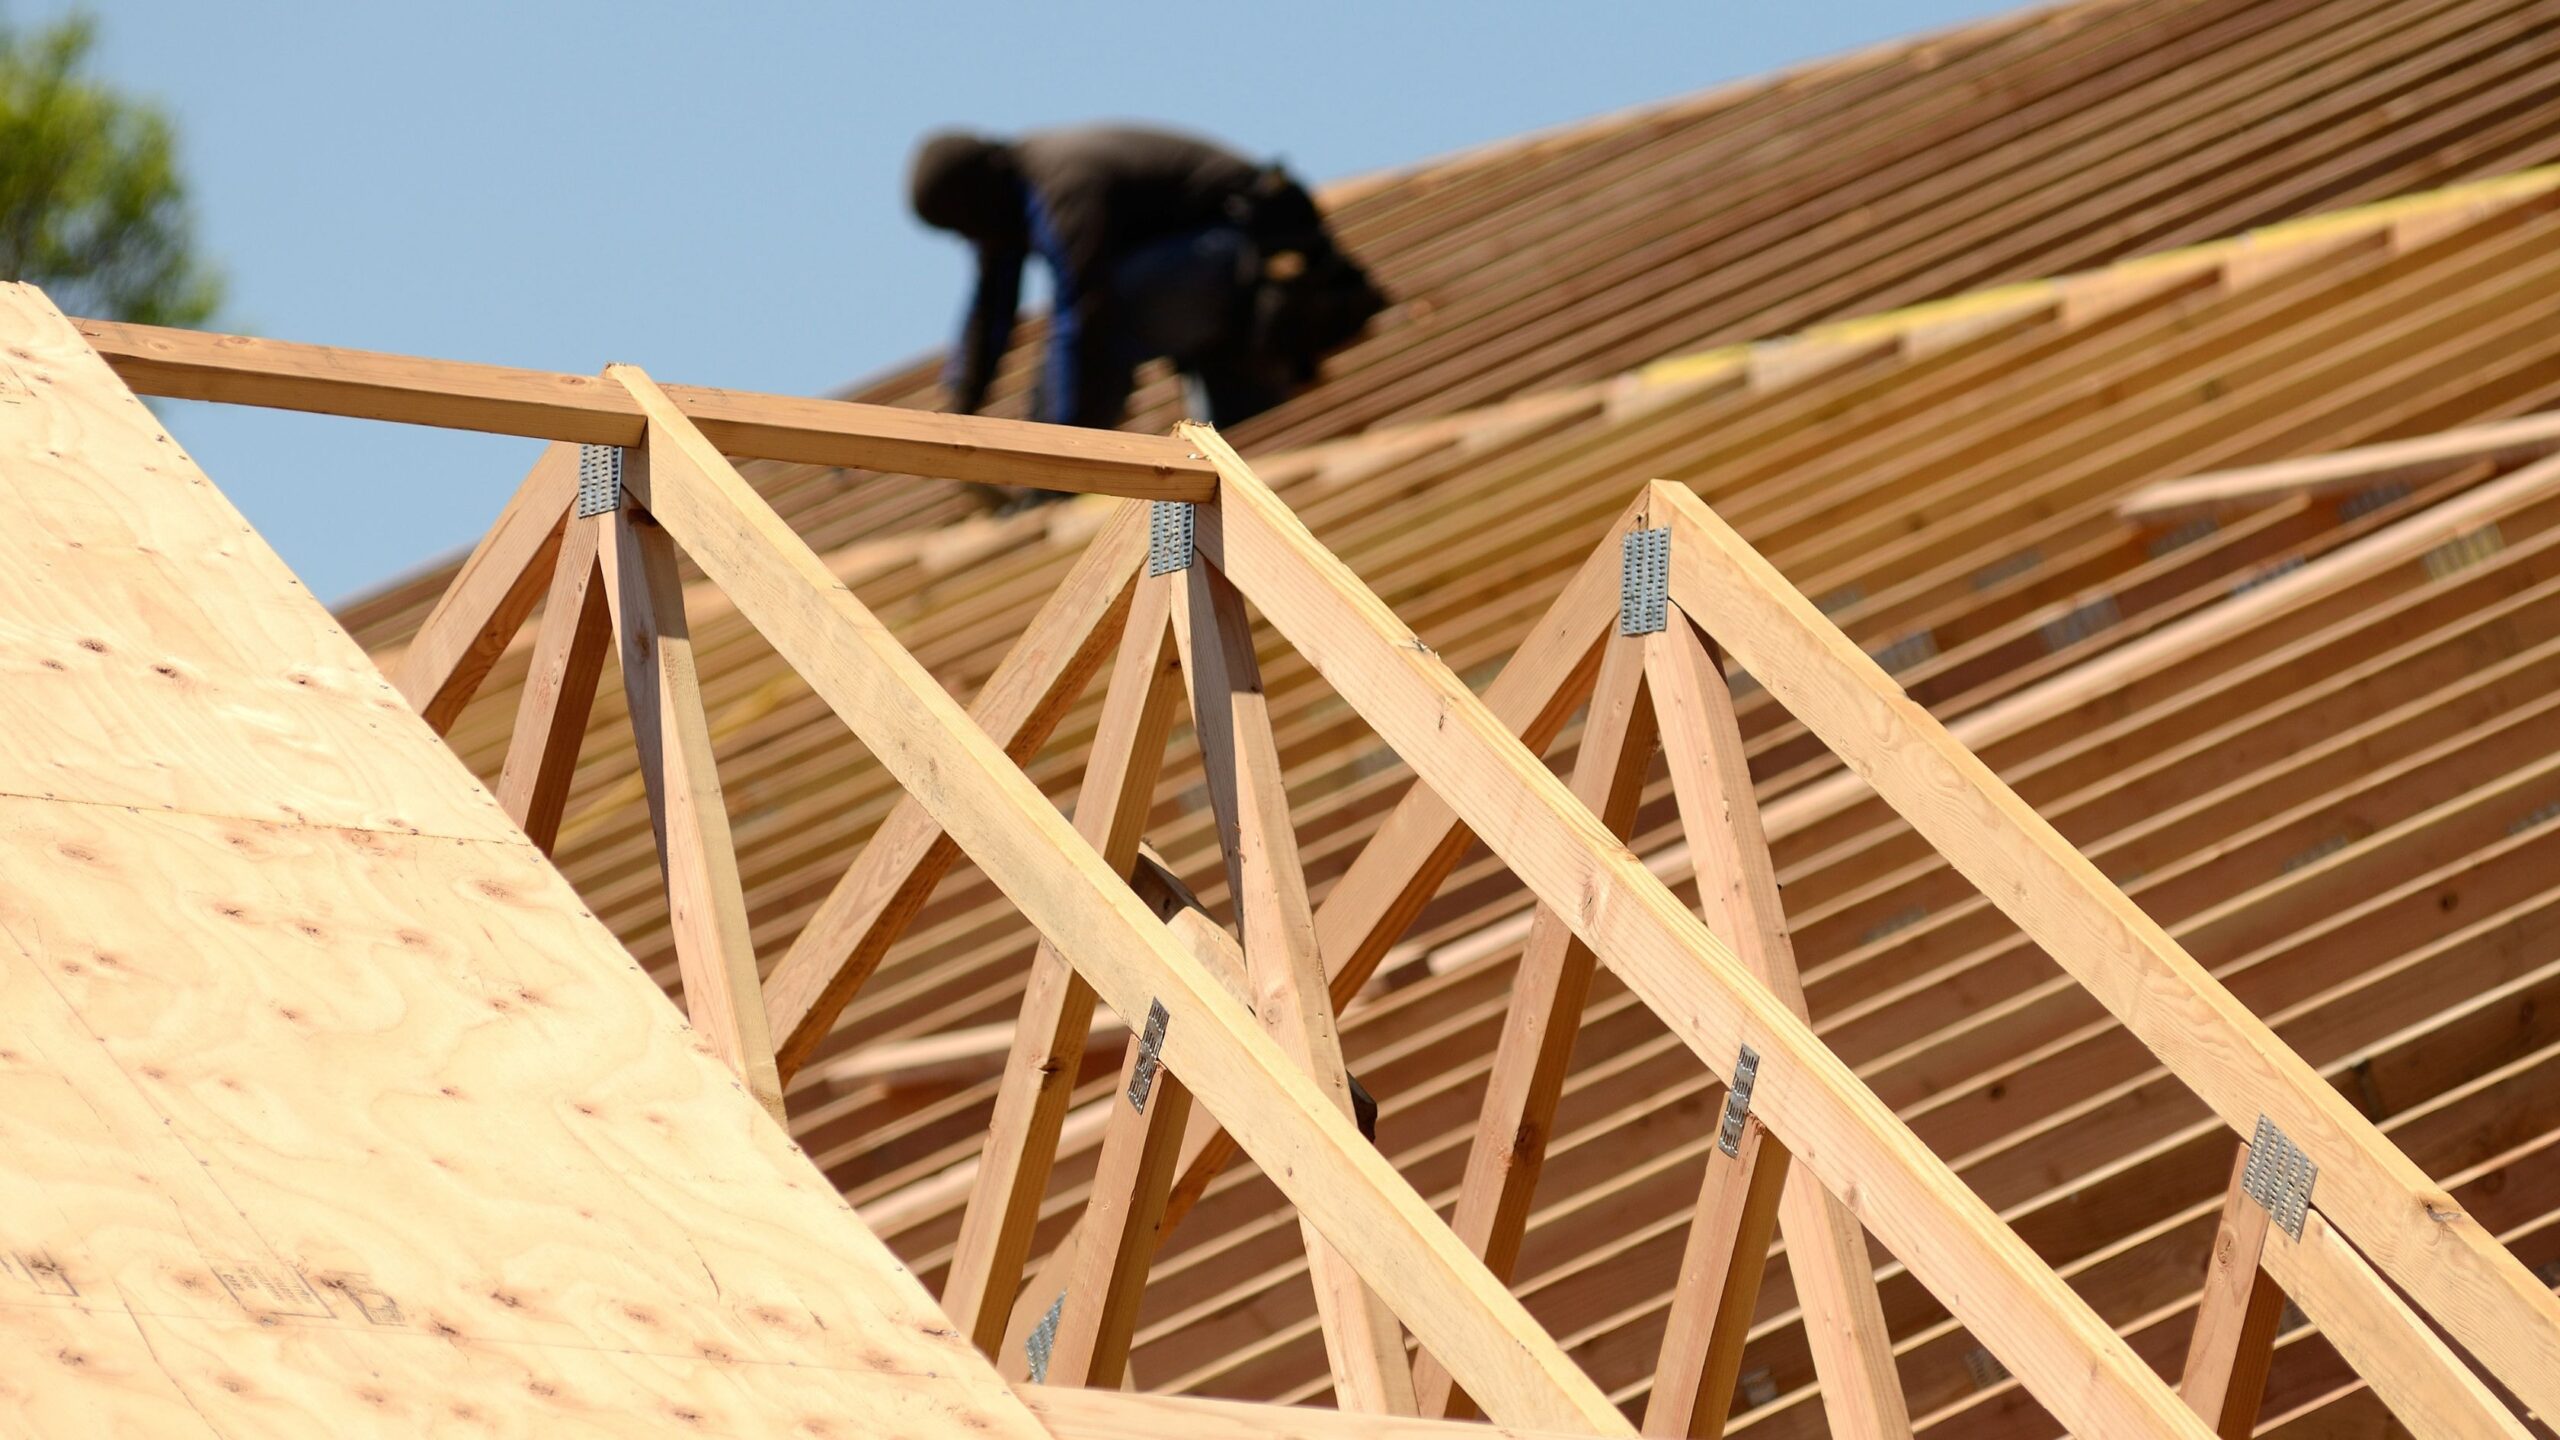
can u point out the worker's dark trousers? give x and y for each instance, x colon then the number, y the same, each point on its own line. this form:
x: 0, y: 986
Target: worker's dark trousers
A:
x: 1186, y: 299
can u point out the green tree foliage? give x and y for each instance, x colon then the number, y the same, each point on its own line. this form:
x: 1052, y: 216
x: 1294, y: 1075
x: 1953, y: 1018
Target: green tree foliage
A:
x: 92, y: 207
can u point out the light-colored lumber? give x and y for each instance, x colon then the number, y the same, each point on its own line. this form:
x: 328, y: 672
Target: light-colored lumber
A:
x: 1123, y: 1220
x: 1057, y: 1006
x: 851, y: 931
x: 697, y: 856
x: 1123, y: 1216
x: 1545, y: 1011
x: 240, y: 1100
x: 1232, y: 722
x: 1717, y: 1287
x: 1738, y: 892
x: 1110, y: 1415
x: 1103, y: 1261
x: 1327, y: 1169
x: 2234, y: 1340
x: 560, y: 686
x: 167, y: 659
x: 2340, y: 569
x: 1414, y: 848
x: 2429, y: 1389
x: 2414, y: 1231
x: 2501, y: 442
x: 2070, y: 1360
x: 493, y: 592
x: 460, y: 1162
x: 459, y: 395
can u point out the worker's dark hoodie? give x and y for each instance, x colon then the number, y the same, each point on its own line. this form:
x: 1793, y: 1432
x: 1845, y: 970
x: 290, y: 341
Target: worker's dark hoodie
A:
x: 1080, y: 199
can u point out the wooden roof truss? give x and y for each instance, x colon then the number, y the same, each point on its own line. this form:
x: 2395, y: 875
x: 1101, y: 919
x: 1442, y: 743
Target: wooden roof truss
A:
x: 1233, y: 1047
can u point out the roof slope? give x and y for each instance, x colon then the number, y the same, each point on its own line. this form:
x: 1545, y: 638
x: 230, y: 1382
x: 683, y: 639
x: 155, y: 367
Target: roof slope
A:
x: 2337, y: 794
x: 2330, y: 790
x: 330, y: 1110
x: 2026, y: 146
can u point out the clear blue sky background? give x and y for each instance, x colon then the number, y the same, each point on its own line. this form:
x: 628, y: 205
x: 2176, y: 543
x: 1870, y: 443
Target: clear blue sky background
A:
x: 713, y: 191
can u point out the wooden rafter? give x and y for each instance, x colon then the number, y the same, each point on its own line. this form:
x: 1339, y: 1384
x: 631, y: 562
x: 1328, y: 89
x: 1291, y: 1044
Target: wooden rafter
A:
x: 1057, y: 1005
x: 2067, y: 1357
x: 2413, y: 1229
x: 2236, y: 1320
x: 1233, y: 723
x: 1124, y: 1216
x: 490, y: 596
x: 1738, y: 892
x: 2502, y: 442
x: 560, y: 686
x: 1032, y: 688
x: 1718, y: 1284
x: 706, y: 906
x: 1328, y: 1170
x: 1547, y: 993
x: 1414, y: 849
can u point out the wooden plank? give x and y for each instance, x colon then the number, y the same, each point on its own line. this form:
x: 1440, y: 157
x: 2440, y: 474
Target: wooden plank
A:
x: 458, y: 395
x: 1110, y: 1415
x: 698, y: 858
x: 124, y: 573
x: 1057, y: 1006
x: 2415, y: 1231
x: 2502, y: 442
x: 1717, y: 1288
x: 2333, y: 573
x: 2069, y: 1359
x: 1044, y: 673
x: 1323, y: 1164
x: 560, y: 687
x: 1539, y: 688
x: 2426, y: 1385
x: 1738, y: 891
x: 493, y: 1124
x: 491, y: 594
x: 1545, y: 1013
x: 1536, y: 692
x: 1232, y: 723
x: 1107, y: 1255
x: 1123, y: 1219
x: 2234, y: 1341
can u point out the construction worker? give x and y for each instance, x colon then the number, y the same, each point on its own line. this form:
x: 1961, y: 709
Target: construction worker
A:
x: 1158, y: 245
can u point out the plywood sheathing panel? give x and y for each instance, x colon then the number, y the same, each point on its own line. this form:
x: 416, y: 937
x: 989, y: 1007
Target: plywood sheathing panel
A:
x: 320, y: 1125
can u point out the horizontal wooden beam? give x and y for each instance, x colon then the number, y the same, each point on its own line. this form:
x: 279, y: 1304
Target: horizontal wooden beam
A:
x: 459, y: 395
x: 2504, y: 442
x: 2409, y: 1225
x: 2067, y: 1358
x: 1310, y: 1150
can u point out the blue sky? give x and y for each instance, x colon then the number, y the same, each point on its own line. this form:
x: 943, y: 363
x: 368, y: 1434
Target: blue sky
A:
x: 713, y: 191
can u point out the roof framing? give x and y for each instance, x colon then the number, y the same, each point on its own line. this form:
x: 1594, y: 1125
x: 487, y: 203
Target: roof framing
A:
x: 1272, y: 1079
